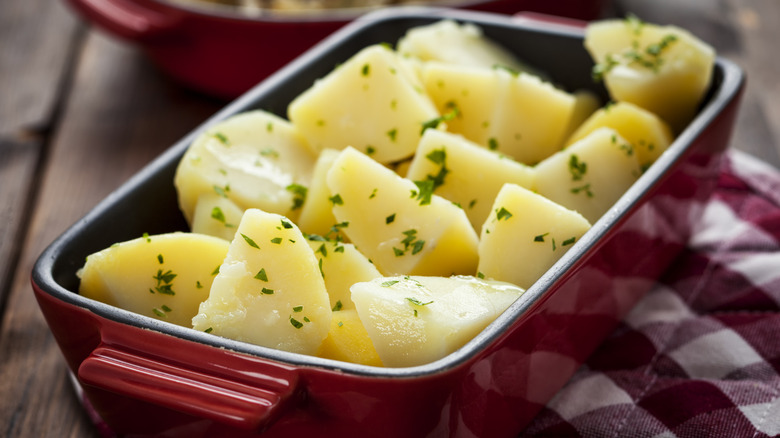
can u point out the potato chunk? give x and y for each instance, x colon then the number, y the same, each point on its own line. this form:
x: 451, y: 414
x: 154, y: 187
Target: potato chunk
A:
x: 516, y: 114
x: 251, y: 158
x: 342, y: 265
x: 216, y: 216
x: 591, y: 174
x: 415, y: 320
x: 465, y: 173
x: 316, y: 213
x: 453, y: 43
x: 269, y: 290
x: 525, y: 235
x: 373, y: 102
x: 164, y: 276
x: 648, y: 134
x: 348, y: 340
x: 664, y: 69
x: 402, y: 228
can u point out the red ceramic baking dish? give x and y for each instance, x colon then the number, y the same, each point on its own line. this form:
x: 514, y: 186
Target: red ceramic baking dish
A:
x: 145, y: 377
x: 223, y: 51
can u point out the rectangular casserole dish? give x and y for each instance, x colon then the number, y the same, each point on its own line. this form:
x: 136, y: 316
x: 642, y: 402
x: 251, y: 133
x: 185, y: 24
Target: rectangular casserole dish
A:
x: 145, y: 377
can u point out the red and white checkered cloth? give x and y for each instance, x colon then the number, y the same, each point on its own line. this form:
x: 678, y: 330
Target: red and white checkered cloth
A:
x: 700, y: 354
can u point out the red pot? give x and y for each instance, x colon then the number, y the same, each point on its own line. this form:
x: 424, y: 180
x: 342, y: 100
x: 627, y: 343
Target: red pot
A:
x: 223, y: 52
x: 146, y: 377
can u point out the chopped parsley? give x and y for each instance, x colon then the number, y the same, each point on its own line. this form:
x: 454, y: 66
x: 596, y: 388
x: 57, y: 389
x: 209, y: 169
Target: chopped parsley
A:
x: 270, y: 152
x: 540, y: 237
x: 577, y: 168
x: 434, y: 122
x: 295, y: 323
x: 336, y: 199
x: 276, y: 240
x: 338, y: 306
x: 267, y: 291
x: 222, y: 191
x: 503, y: 214
x: 262, y: 275
x: 222, y: 138
x: 424, y: 192
x: 568, y: 241
x: 582, y: 189
x: 390, y: 219
x: 299, y: 194
x: 249, y: 241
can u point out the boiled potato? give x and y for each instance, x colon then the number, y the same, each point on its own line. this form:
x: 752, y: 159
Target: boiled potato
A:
x: 316, y: 214
x: 465, y: 173
x: 401, y: 227
x: 348, y: 340
x: 415, y: 320
x: 373, y: 102
x: 591, y: 174
x: 515, y: 114
x: 255, y: 159
x: 525, y: 235
x: 216, y: 216
x: 453, y: 43
x: 585, y: 104
x: 163, y: 276
x: 342, y: 265
x: 664, y: 69
x: 269, y: 290
x: 648, y: 134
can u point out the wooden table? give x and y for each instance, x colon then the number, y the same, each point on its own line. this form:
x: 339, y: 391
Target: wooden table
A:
x: 80, y: 112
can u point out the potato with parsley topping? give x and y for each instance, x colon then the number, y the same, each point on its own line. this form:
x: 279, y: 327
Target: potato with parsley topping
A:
x: 413, y: 320
x: 399, y: 224
x: 163, y: 276
x: 216, y: 216
x: 516, y: 114
x: 591, y: 174
x: 372, y: 102
x: 525, y: 235
x: 648, y: 134
x: 256, y: 159
x: 457, y: 43
x: 664, y: 69
x: 465, y: 173
x: 269, y: 290
x: 342, y: 265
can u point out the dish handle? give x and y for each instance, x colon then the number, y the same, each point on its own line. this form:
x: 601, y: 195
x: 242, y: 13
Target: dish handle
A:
x: 242, y: 405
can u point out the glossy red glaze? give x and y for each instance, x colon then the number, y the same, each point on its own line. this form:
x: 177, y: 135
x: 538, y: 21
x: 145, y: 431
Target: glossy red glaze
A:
x: 148, y: 378
x: 226, y: 54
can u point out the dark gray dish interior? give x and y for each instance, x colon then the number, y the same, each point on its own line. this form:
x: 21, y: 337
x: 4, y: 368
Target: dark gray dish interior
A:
x: 147, y: 202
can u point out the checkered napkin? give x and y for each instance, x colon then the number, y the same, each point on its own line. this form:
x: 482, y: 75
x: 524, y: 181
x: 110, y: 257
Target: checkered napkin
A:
x: 700, y: 354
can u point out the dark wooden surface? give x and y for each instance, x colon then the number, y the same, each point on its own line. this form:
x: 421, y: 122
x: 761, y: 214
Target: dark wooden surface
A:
x: 80, y: 112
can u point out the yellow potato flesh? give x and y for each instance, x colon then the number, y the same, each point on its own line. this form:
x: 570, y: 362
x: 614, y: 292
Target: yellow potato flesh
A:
x: 373, y: 102
x: 269, y: 290
x: 348, y: 340
x: 400, y: 233
x: 470, y: 175
x: 525, y: 235
x: 163, y: 276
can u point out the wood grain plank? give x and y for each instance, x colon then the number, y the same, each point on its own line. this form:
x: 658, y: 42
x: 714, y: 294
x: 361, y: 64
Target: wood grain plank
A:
x: 34, y: 67
x: 119, y: 115
x: 745, y: 32
x: 32, y: 62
